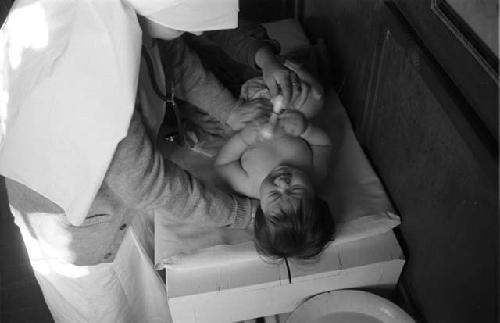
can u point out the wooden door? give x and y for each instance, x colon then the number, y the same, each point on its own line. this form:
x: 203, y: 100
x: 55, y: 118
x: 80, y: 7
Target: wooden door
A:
x: 421, y: 91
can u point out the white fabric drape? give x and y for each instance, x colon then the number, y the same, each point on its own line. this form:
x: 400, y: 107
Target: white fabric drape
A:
x: 68, y: 82
x: 128, y: 290
x: 69, y: 72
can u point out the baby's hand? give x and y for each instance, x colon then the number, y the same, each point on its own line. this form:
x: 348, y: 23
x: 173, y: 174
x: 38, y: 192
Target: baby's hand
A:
x: 251, y: 134
x: 293, y: 122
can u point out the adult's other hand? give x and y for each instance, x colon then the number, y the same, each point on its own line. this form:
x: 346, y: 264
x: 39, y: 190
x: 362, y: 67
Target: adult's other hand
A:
x: 257, y: 110
x: 277, y: 77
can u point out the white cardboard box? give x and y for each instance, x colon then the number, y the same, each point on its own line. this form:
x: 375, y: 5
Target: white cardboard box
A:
x: 245, y: 288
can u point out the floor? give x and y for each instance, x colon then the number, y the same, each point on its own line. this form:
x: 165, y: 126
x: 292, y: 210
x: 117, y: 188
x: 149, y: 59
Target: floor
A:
x: 20, y: 297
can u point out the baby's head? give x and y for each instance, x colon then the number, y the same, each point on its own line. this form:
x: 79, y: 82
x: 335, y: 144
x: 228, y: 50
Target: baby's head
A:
x: 291, y: 222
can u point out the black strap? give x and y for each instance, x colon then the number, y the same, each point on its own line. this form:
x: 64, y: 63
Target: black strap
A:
x: 169, y: 96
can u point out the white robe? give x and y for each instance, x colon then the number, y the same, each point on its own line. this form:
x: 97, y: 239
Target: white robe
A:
x: 126, y: 290
x: 69, y: 70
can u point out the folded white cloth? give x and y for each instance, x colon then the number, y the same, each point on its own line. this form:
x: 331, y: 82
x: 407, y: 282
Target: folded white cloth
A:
x: 68, y: 83
x: 190, y: 15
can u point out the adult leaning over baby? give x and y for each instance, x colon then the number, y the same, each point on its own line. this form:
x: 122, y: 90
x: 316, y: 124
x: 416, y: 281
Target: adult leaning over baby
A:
x: 82, y: 174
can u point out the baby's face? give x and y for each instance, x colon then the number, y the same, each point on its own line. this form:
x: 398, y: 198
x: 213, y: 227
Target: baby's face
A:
x: 283, y: 181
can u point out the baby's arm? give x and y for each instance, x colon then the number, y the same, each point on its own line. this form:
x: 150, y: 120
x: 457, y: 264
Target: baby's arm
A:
x: 228, y: 160
x: 310, y: 98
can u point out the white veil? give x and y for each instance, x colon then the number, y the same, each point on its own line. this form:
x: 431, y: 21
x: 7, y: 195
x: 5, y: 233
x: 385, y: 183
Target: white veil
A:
x: 68, y: 83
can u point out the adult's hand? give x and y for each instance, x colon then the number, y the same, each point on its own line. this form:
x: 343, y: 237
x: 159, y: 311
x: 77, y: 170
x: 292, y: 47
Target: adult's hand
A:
x: 277, y: 77
x: 311, y: 97
x: 257, y: 110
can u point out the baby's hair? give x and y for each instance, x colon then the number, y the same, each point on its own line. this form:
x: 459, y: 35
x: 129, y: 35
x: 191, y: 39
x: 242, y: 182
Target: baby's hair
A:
x: 300, y: 229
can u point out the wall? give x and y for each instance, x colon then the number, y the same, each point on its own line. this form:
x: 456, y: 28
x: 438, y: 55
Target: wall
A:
x: 435, y: 157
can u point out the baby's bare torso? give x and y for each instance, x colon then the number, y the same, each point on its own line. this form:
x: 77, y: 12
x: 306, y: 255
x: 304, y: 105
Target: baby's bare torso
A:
x: 260, y: 159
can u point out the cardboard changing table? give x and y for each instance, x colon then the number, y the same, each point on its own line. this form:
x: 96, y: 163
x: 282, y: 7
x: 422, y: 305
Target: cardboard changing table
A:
x: 215, y: 275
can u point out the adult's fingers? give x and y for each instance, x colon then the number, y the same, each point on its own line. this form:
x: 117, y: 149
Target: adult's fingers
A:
x: 285, y: 86
x: 261, y: 120
x: 263, y: 108
x: 302, y: 73
x: 294, y: 66
x: 273, y: 87
x: 255, y: 109
x: 306, y: 89
x: 294, y: 78
x: 262, y: 104
x: 262, y: 113
x: 296, y: 87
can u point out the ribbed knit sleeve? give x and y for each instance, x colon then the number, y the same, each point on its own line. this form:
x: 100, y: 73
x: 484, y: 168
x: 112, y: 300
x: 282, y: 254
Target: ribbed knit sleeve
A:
x: 194, y: 83
x: 145, y: 180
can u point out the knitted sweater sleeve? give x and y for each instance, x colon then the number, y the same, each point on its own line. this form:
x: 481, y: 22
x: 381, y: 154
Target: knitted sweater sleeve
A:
x: 144, y: 179
x: 193, y: 82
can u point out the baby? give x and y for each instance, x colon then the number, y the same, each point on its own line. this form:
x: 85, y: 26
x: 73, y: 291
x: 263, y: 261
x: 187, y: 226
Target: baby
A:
x: 281, y: 169
x: 307, y: 92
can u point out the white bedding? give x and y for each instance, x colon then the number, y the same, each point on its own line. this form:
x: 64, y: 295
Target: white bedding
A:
x: 354, y: 193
